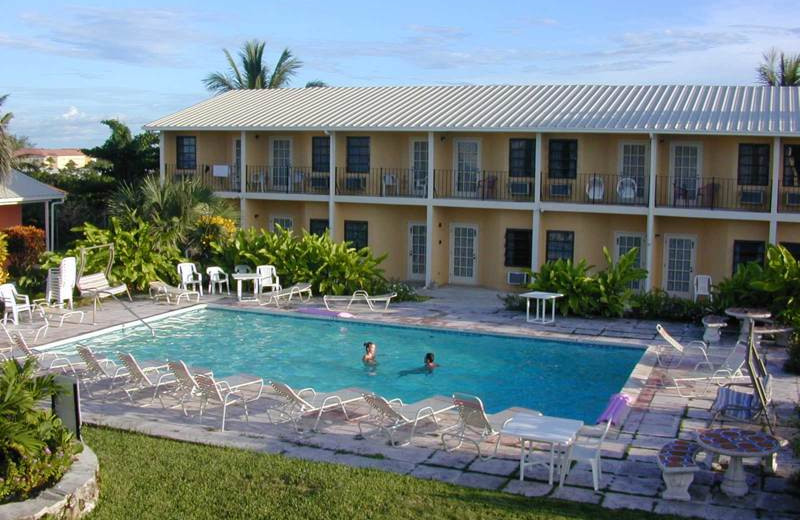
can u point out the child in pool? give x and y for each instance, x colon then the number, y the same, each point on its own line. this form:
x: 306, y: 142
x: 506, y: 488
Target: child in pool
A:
x: 369, y: 356
x: 430, y: 364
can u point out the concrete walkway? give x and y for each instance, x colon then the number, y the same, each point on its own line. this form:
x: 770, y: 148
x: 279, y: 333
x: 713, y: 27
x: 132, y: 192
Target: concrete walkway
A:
x: 631, y: 479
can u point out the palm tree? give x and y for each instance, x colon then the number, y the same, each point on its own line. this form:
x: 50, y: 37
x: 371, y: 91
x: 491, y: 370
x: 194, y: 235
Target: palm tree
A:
x: 6, y: 145
x: 779, y: 70
x: 253, y: 74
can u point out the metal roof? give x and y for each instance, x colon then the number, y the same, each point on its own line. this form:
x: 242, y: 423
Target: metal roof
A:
x: 20, y: 188
x: 750, y: 110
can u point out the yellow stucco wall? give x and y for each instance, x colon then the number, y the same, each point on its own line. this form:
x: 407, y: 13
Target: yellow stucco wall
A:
x: 789, y: 232
x: 259, y: 213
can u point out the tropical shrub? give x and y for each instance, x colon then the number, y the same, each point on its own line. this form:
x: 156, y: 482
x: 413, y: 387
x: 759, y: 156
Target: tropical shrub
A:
x: 207, y: 229
x: 738, y: 290
x: 331, y: 267
x: 405, y: 292
x: 659, y: 305
x: 35, y: 447
x: 3, y: 258
x: 25, y: 245
x: 614, y: 283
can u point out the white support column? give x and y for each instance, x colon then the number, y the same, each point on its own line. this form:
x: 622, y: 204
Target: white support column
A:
x: 48, y: 241
x: 429, y: 212
x: 651, y: 204
x: 243, y: 180
x: 332, y: 185
x: 537, y: 204
x: 162, y: 158
x: 776, y: 179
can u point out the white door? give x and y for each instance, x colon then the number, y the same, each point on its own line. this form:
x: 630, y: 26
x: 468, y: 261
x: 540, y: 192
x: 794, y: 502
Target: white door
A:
x: 686, y: 164
x: 634, y: 165
x: 463, y: 253
x: 419, y: 168
x: 468, y: 164
x: 280, y: 162
x: 417, y: 237
x: 679, y: 258
x: 624, y: 243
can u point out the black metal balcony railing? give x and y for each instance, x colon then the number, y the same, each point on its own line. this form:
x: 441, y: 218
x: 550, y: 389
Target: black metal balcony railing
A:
x: 218, y: 177
x: 720, y: 193
x: 287, y: 179
x: 382, y: 182
x: 482, y: 185
x: 789, y: 199
x: 597, y: 188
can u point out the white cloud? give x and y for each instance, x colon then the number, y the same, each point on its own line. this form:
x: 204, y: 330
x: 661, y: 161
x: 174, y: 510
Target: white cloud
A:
x: 72, y: 113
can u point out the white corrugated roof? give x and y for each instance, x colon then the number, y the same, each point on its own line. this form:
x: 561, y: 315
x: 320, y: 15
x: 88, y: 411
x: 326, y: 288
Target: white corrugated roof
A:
x: 22, y: 188
x: 577, y: 108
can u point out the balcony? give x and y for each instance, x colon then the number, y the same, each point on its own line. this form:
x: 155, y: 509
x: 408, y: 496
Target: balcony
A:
x: 597, y: 188
x: 711, y: 193
x: 382, y: 182
x: 482, y: 185
x: 218, y: 177
x: 286, y: 179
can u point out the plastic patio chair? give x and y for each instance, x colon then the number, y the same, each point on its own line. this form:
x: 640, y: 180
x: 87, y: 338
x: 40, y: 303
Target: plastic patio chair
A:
x: 190, y: 277
x: 216, y: 279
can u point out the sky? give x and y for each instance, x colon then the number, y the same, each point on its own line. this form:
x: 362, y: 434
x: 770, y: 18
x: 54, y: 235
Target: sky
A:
x: 69, y: 65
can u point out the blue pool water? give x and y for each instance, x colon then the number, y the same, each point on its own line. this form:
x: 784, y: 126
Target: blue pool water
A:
x: 558, y: 378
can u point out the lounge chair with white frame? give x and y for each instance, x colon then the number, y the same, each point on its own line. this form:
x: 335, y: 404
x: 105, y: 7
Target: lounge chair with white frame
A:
x: 98, y: 370
x: 47, y: 361
x: 676, y: 352
x: 286, y: 295
x: 216, y: 279
x: 388, y: 416
x: 295, y: 406
x: 189, y: 276
x: 473, y: 422
x: 731, y: 368
x: 15, y: 303
x: 241, y: 389
x: 185, y: 387
x: 152, y: 376
x: 377, y: 303
x: 171, y: 294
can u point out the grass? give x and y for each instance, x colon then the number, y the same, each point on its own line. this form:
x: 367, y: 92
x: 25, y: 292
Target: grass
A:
x: 146, y: 477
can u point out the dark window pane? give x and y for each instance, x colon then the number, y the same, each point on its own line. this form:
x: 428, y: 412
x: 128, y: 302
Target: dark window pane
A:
x: 521, y: 157
x: 560, y: 245
x: 791, y: 165
x: 518, y: 247
x: 320, y: 154
x: 754, y: 164
x: 186, y: 152
x: 794, y: 248
x: 318, y: 226
x: 563, y: 158
x: 358, y: 154
x: 747, y: 251
x: 355, y: 232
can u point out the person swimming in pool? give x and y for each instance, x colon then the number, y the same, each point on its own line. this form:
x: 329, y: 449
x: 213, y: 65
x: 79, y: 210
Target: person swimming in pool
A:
x: 430, y: 364
x: 427, y: 368
x: 371, y: 351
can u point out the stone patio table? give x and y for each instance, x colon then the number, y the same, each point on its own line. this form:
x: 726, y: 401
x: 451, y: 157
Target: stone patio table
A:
x: 242, y: 277
x: 554, y: 431
x: 746, y: 316
x: 541, y: 298
x: 737, y: 444
x: 712, y: 328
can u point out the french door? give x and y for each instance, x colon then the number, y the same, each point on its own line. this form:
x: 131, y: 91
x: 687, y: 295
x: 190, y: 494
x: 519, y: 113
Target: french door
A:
x: 417, y: 237
x: 679, y: 264
x: 634, y: 165
x: 686, y: 164
x: 624, y: 243
x: 281, y: 162
x: 468, y: 164
x: 419, y: 168
x: 463, y: 253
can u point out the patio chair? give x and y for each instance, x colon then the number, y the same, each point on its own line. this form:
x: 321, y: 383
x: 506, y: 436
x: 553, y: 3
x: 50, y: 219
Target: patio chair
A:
x: 595, y: 188
x: 388, y: 416
x: 732, y: 367
x: 295, y: 406
x: 216, y: 279
x: 373, y: 302
x: 58, y: 311
x: 702, y: 287
x: 15, y: 303
x: 46, y: 361
x: 268, y: 278
x: 189, y: 276
x: 747, y: 407
x: 473, y: 422
x: 97, y: 370
x: 240, y: 389
x: 98, y: 287
x: 280, y: 296
x: 185, y: 386
x: 626, y: 189
x: 161, y: 290
x: 152, y: 376
x: 242, y: 269
x: 674, y: 347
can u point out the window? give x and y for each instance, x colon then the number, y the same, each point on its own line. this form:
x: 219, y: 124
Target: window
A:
x: 358, y: 154
x: 521, y: 157
x: 355, y: 232
x: 284, y: 222
x: 186, y: 152
x: 467, y: 162
x: 791, y: 165
x: 747, y: 251
x: 560, y: 244
x: 634, y: 164
x: 793, y: 247
x: 419, y: 164
x: 318, y: 226
x: 321, y: 154
x: 518, y: 247
x: 563, y: 158
x: 626, y: 242
x: 754, y: 164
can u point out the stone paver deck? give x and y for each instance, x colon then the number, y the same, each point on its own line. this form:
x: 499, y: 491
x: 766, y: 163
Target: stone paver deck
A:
x: 631, y: 478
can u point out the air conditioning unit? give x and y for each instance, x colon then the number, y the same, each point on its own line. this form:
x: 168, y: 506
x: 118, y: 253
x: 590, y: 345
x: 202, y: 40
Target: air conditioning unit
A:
x: 319, y: 183
x: 519, y: 188
x: 355, y: 183
x: 517, y: 278
x: 792, y: 199
x: 561, y: 190
x: 755, y: 198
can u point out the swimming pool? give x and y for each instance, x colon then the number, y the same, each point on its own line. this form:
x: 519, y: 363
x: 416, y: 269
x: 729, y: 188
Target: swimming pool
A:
x: 558, y: 378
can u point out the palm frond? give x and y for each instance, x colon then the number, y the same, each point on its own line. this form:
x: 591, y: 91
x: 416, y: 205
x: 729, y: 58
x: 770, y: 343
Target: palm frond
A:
x: 219, y: 83
x: 286, y: 67
x: 778, y: 69
x: 237, y: 76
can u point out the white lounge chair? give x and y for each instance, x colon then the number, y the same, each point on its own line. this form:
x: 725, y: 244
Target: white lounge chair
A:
x: 473, y: 422
x: 233, y: 390
x: 388, y: 416
x: 46, y: 361
x: 151, y: 376
x: 161, y: 290
x: 189, y: 276
x: 216, y: 279
x: 295, y: 406
x: 676, y: 352
x: 58, y: 311
x: 268, y: 278
x: 15, y: 303
x: 379, y: 303
x: 185, y: 387
x: 97, y: 370
x: 729, y: 369
x: 280, y: 295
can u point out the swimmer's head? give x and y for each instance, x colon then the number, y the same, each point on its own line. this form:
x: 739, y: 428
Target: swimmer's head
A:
x: 369, y: 346
x: 429, y: 358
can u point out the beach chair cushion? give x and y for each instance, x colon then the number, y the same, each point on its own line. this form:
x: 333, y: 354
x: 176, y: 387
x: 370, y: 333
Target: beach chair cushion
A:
x: 735, y: 404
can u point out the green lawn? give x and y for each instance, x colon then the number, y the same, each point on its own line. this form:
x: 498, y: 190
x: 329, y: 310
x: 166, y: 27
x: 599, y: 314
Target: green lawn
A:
x: 145, y: 477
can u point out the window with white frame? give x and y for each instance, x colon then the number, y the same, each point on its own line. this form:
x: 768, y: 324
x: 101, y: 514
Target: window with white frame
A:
x: 634, y: 165
x: 467, y: 166
x: 686, y: 170
x: 285, y: 223
x: 281, y: 161
x: 419, y: 164
x: 626, y: 242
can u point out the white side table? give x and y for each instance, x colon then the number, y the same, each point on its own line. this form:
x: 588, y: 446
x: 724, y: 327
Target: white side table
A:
x: 241, y: 277
x: 541, y: 298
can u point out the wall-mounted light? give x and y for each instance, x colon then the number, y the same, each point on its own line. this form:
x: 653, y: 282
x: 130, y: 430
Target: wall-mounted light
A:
x: 255, y: 216
x: 442, y: 138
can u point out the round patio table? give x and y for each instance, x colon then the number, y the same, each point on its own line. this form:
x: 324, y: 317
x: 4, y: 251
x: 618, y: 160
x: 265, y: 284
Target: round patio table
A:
x: 746, y: 316
x: 737, y: 444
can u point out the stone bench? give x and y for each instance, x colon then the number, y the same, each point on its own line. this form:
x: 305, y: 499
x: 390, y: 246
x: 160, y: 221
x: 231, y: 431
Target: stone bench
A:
x: 676, y: 460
